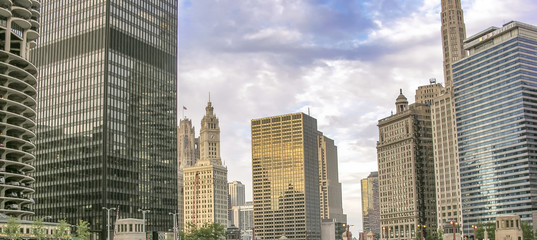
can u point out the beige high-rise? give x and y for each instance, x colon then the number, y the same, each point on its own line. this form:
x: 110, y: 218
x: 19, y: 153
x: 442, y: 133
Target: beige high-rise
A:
x: 329, y: 185
x: 405, y: 163
x: 187, y: 154
x: 446, y: 160
x: 205, y: 183
x: 453, y: 35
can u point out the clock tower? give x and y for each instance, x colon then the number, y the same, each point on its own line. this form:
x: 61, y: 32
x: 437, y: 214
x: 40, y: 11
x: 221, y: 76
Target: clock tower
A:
x: 210, y: 137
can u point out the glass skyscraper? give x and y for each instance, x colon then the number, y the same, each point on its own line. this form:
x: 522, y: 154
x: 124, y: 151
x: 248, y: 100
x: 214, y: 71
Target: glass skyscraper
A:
x: 107, y: 111
x: 495, y: 99
x: 286, y: 177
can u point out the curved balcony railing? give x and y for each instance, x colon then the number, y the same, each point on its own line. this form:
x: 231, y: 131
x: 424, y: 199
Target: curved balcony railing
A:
x: 17, y: 105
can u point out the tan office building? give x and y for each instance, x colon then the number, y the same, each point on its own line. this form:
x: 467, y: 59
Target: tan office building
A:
x: 405, y: 163
x: 286, y: 177
x: 329, y: 185
x: 205, y: 183
x: 445, y: 146
x: 370, y: 203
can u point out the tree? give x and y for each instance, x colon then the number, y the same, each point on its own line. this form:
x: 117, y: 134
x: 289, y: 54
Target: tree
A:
x: 490, y: 227
x: 13, y: 229
x: 440, y: 234
x: 82, y: 229
x: 527, y: 231
x: 213, y: 231
x: 62, y: 232
x: 38, y: 230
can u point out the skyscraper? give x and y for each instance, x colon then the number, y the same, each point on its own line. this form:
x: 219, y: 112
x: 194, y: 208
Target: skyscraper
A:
x: 187, y: 155
x: 495, y: 94
x: 446, y: 160
x: 107, y: 111
x: 370, y: 203
x: 236, y: 193
x: 286, y: 177
x: 19, y: 27
x: 406, y: 172
x: 453, y: 35
x: 329, y: 185
x: 205, y: 183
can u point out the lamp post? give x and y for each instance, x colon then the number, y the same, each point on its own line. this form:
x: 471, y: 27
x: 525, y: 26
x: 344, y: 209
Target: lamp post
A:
x: 108, y: 221
x: 347, y: 226
x: 453, y: 224
x: 421, y: 227
x: 387, y: 230
x: 475, y: 228
x: 144, y: 211
x: 174, y: 225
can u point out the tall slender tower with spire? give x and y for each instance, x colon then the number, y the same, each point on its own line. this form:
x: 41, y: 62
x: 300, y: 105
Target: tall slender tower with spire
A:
x: 205, y: 183
x: 453, y: 35
x: 445, y: 144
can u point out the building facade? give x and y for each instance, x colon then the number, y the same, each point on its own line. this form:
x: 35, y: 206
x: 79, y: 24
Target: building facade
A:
x: 237, y: 193
x: 19, y: 29
x: 106, y: 134
x: 187, y: 155
x: 406, y: 172
x: 370, y: 204
x: 453, y: 34
x: 243, y: 216
x: 286, y: 177
x: 495, y: 91
x: 205, y: 183
x: 446, y: 160
x: 329, y: 185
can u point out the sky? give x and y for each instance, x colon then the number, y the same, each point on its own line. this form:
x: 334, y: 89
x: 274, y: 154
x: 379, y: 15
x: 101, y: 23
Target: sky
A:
x: 344, y: 61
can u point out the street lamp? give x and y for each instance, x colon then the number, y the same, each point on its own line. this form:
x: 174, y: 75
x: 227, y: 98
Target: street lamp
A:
x: 421, y: 227
x: 387, y: 230
x: 144, y: 211
x: 453, y: 224
x: 475, y: 228
x: 108, y: 220
x: 347, y: 226
x: 174, y: 225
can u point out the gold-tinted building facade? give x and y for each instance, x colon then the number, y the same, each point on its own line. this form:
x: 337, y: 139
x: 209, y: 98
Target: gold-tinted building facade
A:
x: 286, y: 177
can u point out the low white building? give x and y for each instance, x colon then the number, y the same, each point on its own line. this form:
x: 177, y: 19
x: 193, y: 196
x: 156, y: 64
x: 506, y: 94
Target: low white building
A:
x: 129, y: 229
x: 508, y: 227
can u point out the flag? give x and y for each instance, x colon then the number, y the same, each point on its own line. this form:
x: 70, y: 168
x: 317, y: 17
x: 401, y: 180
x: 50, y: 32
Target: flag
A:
x: 184, y: 108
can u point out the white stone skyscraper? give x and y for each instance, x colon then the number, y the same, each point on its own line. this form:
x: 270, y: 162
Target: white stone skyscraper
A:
x: 329, y: 185
x: 205, y: 185
x: 187, y: 155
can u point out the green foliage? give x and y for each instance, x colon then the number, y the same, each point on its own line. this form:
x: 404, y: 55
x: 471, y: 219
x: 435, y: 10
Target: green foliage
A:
x: 38, y: 230
x: 491, y: 230
x: 62, y: 232
x: 82, y: 229
x: 527, y: 231
x: 440, y: 234
x: 480, y: 231
x: 417, y: 235
x: 12, y: 229
x: 213, y: 231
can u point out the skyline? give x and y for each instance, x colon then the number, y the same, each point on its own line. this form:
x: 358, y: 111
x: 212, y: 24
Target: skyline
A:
x: 260, y: 59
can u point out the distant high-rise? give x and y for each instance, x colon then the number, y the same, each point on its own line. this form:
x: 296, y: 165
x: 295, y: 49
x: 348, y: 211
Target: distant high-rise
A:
x: 205, y: 183
x: 406, y: 171
x: 495, y: 94
x: 329, y: 185
x: 19, y: 27
x: 370, y: 203
x: 237, y: 193
x: 243, y: 216
x: 107, y: 111
x: 286, y: 177
x: 453, y: 35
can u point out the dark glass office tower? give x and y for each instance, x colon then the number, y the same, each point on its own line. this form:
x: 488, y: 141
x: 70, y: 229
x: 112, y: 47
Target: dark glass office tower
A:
x: 107, y: 111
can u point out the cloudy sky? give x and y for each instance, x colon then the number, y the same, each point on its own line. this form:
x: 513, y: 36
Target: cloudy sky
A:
x: 345, y: 60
